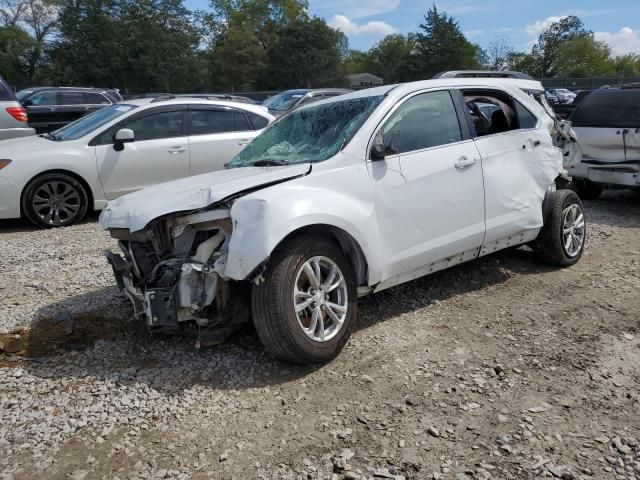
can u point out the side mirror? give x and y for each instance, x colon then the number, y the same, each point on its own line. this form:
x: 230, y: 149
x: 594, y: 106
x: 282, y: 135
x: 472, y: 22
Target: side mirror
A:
x: 122, y: 136
x: 378, y: 151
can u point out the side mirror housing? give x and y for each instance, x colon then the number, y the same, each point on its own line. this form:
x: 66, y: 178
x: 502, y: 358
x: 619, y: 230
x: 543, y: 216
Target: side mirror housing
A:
x: 122, y: 136
x: 378, y: 150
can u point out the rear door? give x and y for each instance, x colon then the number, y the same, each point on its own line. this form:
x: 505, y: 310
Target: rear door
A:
x: 216, y: 135
x: 42, y: 111
x: 607, y: 124
x: 159, y: 152
x: 72, y: 105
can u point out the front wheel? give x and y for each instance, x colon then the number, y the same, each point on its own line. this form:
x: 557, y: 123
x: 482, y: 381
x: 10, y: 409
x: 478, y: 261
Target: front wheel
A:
x: 54, y: 200
x: 564, y: 233
x: 305, y: 309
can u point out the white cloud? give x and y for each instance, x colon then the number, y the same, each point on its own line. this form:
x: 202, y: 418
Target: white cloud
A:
x: 359, y: 8
x: 472, y: 33
x: 624, y: 41
x: 353, y: 29
x: 540, y: 26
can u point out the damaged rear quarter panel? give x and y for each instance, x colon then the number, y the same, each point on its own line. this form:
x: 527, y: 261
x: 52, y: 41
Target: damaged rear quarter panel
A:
x: 262, y: 219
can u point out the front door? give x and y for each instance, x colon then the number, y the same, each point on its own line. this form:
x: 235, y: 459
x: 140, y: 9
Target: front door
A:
x: 159, y: 153
x: 429, y: 191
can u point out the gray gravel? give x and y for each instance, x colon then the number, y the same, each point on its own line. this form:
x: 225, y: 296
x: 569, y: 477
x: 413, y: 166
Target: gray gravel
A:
x: 498, y: 369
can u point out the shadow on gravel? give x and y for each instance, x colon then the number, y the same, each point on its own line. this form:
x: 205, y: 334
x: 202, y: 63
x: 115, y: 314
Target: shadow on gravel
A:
x: 17, y: 225
x: 101, y: 343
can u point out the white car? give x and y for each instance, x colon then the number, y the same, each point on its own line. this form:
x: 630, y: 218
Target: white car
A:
x: 607, y: 124
x: 562, y: 94
x: 343, y: 198
x: 55, y: 178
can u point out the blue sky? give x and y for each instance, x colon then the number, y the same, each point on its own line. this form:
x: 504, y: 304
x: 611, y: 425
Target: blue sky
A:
x: 519, y: 22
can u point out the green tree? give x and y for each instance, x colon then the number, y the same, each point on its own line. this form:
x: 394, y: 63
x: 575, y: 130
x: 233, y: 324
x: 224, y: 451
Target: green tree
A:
x: 356, y: 62
x: 583, y: 56
x: 16, y: 51
x: 442, y: 46
x: 391, y: 58
x: 627, y: 65
x: 139, y: 46
x: 308, y: 53
x: 523, y: 62
x: 549, y: 42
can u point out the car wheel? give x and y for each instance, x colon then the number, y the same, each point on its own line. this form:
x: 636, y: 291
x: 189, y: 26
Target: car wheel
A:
x: 562, y: 238
x: 54, y: 200
x: 305, y: 309
x: 587, y: 190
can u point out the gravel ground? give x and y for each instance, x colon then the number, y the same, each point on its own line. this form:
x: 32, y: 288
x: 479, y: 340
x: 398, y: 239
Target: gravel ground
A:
x: 501, y: 368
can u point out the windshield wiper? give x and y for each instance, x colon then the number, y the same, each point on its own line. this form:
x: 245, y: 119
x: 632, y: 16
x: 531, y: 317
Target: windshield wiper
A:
x: 268, y: 162
x: 51, y: 136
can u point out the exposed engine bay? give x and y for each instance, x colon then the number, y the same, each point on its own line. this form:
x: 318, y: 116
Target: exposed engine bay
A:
x: 173, y: 272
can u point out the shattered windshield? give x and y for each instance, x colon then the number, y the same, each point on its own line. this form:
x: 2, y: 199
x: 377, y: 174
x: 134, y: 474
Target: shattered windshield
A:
x: 310, y: 134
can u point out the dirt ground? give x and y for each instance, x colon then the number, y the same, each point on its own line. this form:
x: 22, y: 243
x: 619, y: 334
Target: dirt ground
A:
x: 501, y: 368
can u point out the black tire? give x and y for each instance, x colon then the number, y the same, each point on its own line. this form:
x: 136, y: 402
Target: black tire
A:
x: 69, y: 198
x: 549, y: 245
x: 588, y: 190
x: 272, y: 302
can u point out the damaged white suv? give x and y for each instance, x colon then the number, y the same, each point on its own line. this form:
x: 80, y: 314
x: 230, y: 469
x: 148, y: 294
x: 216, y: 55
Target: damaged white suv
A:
x: 346, y: 197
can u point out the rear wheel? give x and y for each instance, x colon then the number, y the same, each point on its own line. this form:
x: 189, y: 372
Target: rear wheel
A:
x: 54, y: 200
x: 305, y: 309
x: 564, y: 233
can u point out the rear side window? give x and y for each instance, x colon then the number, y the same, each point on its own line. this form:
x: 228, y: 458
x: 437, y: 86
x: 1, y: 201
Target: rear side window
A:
x: 614, y: 109
x: 92, y: 98
x: 72, y: 98
x: 526, y: 119
x: 258, y: 121
x: 218, y: 121
x: 424, y: 121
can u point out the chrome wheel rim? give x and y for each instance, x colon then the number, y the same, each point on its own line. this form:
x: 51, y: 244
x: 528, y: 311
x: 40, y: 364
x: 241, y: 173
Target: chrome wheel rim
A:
x: 573, y: 230
x: 320, y: 299
x: 56, y: 202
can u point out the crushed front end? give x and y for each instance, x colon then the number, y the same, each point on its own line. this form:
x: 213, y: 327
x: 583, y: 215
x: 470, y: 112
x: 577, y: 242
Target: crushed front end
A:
x: 173, y: 272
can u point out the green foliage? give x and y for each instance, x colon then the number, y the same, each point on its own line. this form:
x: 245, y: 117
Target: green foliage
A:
x: 16, y: 50
x: 583, y: 56
x: 308, y: 53
x: 143, y: 45
x: 549, y: 42
x: 392, y: 58
x: 442, y: 46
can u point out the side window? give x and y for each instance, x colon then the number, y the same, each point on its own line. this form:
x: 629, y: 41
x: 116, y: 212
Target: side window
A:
x: 72, y: 98
x: 92, y: 98
x: 424, y: 121
x: 218, y: 121
x: 608, y: 108
x: 258, y: 121
x: 155, y: 126
x: 526, y: 119
x: 44, y: 98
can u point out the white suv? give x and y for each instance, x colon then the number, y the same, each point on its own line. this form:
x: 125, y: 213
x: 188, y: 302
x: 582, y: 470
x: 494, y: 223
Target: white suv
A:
x: 54, y: 178
x: 342, y: 198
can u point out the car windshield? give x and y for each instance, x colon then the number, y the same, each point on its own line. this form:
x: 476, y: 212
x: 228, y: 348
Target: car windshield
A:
x: 87, y: 124
x: 311, y: 134
x: 283, y: 101
x: 22, y: 94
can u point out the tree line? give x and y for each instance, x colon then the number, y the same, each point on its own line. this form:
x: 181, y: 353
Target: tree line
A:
x: 162, y: 46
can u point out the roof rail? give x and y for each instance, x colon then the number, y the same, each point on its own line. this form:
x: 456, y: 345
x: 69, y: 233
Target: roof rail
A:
x: 482, y: 74
x: 161, y: 98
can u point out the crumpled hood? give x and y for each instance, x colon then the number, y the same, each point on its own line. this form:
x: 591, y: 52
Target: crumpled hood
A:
x: 17, y: 147
x: 135, y: 210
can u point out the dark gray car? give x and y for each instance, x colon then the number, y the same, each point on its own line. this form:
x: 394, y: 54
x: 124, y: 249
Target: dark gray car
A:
x: 13, y: 117
x: 289, y: 100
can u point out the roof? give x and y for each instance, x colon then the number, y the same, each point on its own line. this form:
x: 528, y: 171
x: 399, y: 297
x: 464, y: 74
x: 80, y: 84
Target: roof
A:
x: 258, y: 109
x: 355, y: 76
x: 303, y: 91
x: 83, y: 89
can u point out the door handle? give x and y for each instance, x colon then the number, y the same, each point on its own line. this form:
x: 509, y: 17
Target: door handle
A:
x: 177, y: 149
x: 465, y: 162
